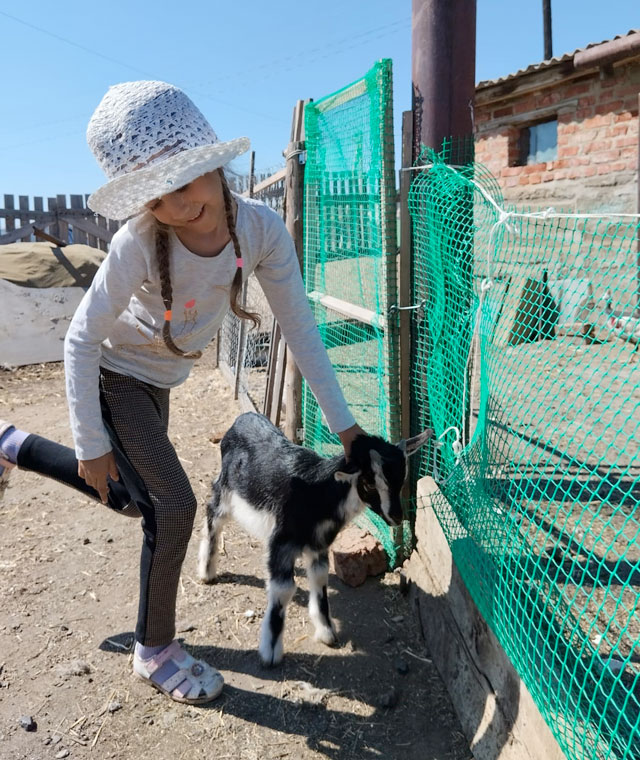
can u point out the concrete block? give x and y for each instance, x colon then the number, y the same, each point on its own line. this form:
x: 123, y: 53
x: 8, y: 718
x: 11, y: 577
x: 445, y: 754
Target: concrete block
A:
x: 495, y: 709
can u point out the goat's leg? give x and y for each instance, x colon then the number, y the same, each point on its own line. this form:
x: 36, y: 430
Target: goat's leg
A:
x: 280, y: 589
x: 318, y: 575
x: 208, y: 554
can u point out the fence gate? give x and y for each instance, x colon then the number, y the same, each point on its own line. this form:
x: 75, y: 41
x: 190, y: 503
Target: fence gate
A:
x: 350, y: 249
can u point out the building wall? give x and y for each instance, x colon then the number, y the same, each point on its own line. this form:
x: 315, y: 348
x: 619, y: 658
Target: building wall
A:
x: 596, y: 167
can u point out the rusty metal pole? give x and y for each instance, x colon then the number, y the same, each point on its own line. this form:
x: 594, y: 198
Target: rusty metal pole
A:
x: 443, y: 70
x: 443, y: 77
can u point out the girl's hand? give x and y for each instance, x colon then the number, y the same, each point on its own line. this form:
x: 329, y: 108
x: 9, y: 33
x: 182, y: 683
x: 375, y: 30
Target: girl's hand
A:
x: 347, y: 436
x: 94, y: 472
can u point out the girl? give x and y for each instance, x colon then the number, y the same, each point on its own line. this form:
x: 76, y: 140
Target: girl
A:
x: 190, y: 242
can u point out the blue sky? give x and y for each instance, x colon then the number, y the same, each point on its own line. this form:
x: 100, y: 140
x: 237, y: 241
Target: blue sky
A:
x: 244, y: 64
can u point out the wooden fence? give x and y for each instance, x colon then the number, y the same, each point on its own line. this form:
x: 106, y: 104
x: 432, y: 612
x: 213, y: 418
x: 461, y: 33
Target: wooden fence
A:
x: 62, y: 222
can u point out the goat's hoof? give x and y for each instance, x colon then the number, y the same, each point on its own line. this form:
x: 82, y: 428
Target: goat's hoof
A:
x: 208, y: 580
x: 326, y: 636
x: 270, y: 657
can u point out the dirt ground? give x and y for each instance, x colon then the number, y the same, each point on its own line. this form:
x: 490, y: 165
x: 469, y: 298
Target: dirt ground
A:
x: 67, y: 610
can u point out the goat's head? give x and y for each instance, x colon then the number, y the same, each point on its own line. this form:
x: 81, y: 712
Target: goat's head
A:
x: 380, y: 469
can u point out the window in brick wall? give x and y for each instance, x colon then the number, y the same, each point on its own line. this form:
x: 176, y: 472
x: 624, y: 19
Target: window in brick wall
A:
x: 539, y: 143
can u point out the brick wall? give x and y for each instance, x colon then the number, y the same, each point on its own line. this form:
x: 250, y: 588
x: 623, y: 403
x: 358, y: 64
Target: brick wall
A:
x: 596, y: 167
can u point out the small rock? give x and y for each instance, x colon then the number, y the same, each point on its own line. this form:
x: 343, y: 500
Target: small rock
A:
x: 86, y: 541
x: 402, y: 666
x: 28, y: 723
x: 47, y: 741
x: 64, y: 752
x: 56, y: 739
x: 390, y: 699
x: 250, y: 614
x: 115, y: 706
x: 356, y: 554
x: 73, y: 668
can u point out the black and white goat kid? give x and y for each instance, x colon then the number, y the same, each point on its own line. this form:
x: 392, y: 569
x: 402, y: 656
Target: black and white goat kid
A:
x: 296, y: 502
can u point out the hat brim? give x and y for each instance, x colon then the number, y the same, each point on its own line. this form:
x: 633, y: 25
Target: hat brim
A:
x: 128, y: 194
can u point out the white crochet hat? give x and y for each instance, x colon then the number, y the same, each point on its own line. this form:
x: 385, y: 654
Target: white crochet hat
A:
x: 150, y: 139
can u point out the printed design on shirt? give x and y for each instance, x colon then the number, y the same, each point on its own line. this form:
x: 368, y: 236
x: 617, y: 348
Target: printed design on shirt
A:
x: 189, y: 318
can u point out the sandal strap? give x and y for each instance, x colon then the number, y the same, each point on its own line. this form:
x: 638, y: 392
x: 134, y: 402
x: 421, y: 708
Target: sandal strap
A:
x: 173, y: 652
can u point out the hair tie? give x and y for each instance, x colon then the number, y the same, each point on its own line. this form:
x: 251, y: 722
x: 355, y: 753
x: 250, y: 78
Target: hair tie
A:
x: 167, y: 315
x: 239, y: 262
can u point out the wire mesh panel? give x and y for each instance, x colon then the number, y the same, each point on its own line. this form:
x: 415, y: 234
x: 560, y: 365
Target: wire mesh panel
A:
x: 349, y: 256
x: 527, y: 360
x: 243, y: 353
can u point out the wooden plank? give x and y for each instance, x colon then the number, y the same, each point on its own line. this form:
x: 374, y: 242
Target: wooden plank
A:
x: 23, y: 203
x: 271, y: 369
x: 91, y: 229
x: 79, y: 235
x: 294, y: 220
x: 272, y: 180
x: 38, y: 204
x: 92, y: 239
x: 9, y: 222
x: 404, y: 286
x: 12, y: 237
x: 350, y: 310
x: 63, y: 227
x: 52, y: 226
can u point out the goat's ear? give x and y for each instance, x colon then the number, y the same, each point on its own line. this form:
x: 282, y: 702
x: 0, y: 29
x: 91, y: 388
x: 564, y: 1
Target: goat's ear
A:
x: 409, y: 446
x: 346, y: 477
x: 376, y: 459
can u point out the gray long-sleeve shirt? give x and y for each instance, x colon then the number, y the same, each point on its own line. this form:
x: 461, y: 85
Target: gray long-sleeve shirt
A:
x: 119, y: 321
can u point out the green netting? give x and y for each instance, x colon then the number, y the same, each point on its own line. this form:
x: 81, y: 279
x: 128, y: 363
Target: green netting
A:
x: 527, y: 354
x: 349, y: 259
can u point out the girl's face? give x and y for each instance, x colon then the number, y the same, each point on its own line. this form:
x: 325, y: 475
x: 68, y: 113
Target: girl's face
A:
x: 196, y: 208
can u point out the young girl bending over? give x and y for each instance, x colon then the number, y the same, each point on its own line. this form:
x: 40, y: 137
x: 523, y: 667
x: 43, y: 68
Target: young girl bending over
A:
x: 173, y: 271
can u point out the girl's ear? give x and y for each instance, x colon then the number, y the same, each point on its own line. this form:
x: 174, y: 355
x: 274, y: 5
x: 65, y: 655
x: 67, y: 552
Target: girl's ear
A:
x: 409, y: 446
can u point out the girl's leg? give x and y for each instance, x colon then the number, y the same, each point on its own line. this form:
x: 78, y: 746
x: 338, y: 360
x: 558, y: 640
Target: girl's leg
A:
x: 38, y: 454
x: 137, y: 416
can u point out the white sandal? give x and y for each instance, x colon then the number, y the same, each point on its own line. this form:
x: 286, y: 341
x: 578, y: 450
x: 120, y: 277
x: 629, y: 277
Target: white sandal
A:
x: 195, y: 683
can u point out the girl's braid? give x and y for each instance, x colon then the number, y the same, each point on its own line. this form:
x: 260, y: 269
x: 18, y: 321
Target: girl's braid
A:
x: 162, y: 255
x: 236, y: 285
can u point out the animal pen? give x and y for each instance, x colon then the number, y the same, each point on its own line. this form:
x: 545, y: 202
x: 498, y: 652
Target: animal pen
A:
x: 514, y: 334
x: 523, y: 357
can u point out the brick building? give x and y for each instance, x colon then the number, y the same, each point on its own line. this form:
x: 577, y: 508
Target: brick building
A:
x: 564, y: 132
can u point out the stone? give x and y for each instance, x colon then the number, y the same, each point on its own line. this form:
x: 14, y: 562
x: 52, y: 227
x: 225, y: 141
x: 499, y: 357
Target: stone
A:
x: 28, y: 723
x: 355, y: 554
x: 389, y: 699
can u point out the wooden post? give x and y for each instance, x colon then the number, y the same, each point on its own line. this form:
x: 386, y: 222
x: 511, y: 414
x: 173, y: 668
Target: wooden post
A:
x: 63, y: 229
x: 9, y: 221
x: 294, y: 211
x: 404, y: 283
x: 242, y: 337
x: 23, y: 203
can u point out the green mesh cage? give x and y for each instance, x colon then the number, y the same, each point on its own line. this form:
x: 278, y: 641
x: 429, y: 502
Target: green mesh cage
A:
x: 350, y: 260
x: 528, y: 367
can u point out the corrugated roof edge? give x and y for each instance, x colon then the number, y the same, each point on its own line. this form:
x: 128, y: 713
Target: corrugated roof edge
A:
x: 551, y: 62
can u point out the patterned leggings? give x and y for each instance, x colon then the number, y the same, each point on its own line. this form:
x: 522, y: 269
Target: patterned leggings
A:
x: 152, y: 482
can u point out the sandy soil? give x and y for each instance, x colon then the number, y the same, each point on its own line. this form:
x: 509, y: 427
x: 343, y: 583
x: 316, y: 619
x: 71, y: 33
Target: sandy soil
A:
x: 67, y: 610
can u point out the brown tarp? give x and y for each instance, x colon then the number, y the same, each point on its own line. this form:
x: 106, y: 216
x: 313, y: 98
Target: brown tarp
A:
x: 45, y: 265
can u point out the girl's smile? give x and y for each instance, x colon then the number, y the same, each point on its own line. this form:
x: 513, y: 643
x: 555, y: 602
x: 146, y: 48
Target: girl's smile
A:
x: 197, y: 214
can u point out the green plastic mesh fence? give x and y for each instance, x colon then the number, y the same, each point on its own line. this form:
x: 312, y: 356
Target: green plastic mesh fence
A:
x: 349, y: 259
x: 528, y: 365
